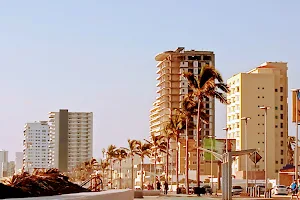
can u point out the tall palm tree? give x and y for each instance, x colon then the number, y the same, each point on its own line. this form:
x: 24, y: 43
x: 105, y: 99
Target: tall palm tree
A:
x: 104, y: 165
x: 120, y: 154
x: 168, y: 135
x: 291, y: 144
x: 158, y: 145
x: 176, y: 126
x: 208, y: 83
x: 131, y: 151
x: 189, y: 109
x: 110, y: 156
x: 103, y: 153
x: 143, y: 150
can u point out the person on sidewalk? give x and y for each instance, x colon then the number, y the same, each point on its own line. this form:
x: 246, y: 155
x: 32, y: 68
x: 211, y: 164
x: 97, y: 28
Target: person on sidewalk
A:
x: 158, y: 185
x: 294, y: 187
x: 166, y: 187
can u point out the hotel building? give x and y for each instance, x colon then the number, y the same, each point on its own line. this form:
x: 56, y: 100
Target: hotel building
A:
x: 172, y: 87
x: 266, y: 85
x: 36, y: 145
x: 71, y: 138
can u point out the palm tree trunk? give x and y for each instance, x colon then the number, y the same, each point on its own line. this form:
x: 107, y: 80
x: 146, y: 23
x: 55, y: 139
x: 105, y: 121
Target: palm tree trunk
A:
x: 167, y: 160
x: 198, y: 144
x: 155, y: 156
x: 187, y: 156
x: 177, y: 161
x: 120, y: 183
x: 142, y: 174
x: 103, y: 183
x: 132, y: 181
x: 111, y: 179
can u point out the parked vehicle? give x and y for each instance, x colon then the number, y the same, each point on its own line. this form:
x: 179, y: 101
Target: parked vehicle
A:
x: 237, y: 190
x: 208, y: 189
x: 280, y: 189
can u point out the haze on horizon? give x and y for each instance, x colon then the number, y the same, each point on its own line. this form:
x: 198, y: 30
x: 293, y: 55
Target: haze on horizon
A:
x: 98, y: 56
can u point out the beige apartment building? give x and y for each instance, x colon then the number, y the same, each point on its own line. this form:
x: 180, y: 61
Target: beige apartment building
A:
x: 71, y: 138
x: 266, y: 85
x: 172, y: 87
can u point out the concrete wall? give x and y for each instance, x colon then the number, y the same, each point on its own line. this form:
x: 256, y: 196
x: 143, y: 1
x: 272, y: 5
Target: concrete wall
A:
x: 105, y: 195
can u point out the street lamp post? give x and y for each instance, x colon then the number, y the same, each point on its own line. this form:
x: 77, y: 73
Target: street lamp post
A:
x: 296, y: 161
x: 226, y: 150
x: 211, y: 160
x: 246, y: 119
x: 266, y: 108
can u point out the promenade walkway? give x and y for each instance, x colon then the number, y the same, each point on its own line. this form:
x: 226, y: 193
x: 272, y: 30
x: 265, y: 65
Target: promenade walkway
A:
x: 174, y: 196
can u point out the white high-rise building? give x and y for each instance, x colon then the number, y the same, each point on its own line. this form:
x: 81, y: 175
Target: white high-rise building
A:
x: 3, y: 163
x: 71, y: 138
x: 36, y: 142
x: 19, y: 162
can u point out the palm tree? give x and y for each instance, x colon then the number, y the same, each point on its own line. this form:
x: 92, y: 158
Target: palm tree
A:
x: 120, y: 154
x: 176, y: 126
x: 168, y: 135
x: 189, y: 109
x: 209, y: 83
x: 158, y: 145
x: 143, y: 150
x: 103, y: 153
x: 291, y: 144
x: 104, y: 165
x: 131, y: 151
x: 110, y: 155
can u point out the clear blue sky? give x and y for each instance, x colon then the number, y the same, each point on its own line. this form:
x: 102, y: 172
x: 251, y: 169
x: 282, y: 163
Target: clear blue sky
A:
x: 98, y: 56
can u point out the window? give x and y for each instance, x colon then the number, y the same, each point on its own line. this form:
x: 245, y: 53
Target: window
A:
x: 258, y: 88
x: 281, y: 152
x: 276, y: 117
x: 281, y: 143
x: 276, y: 162
x: 281, y: 116
x: 258, y: 115
x: 281, y: 107
x: 281, y: 98
x: 276, y: 108
x: 276, y: 90
x: 276, y: 126
x: 281, y: 134
x: 258, y: 97
x: 207, y: 105
x: 263, y: 88
x: 281, y: 161
x: 281, y: 89
x: 281, y: 125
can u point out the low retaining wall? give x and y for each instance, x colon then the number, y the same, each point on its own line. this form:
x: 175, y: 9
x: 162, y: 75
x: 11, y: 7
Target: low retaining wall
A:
x: 105, y: 195
x: 141, y: 193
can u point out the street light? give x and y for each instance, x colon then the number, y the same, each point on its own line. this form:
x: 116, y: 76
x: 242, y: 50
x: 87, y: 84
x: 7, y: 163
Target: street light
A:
x: 246, y: 119
x: 296, y: 119
x: 266, y: 108
x: 211, y: 160
x: 226, y: 150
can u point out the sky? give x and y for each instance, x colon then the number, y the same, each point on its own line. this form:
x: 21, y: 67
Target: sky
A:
x: 98, y: 56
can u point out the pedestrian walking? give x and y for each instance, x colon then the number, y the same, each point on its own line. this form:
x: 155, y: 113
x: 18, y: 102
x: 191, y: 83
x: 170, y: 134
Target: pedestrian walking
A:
x: 166, y: 185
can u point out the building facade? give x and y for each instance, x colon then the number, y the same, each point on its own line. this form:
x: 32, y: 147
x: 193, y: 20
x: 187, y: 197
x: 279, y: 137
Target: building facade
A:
x: 71, y: 138
x: 3, y: 163
x: 19, y: 162
x: 36, y: 145
x: 172, y: 87
x: 266, y: 85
